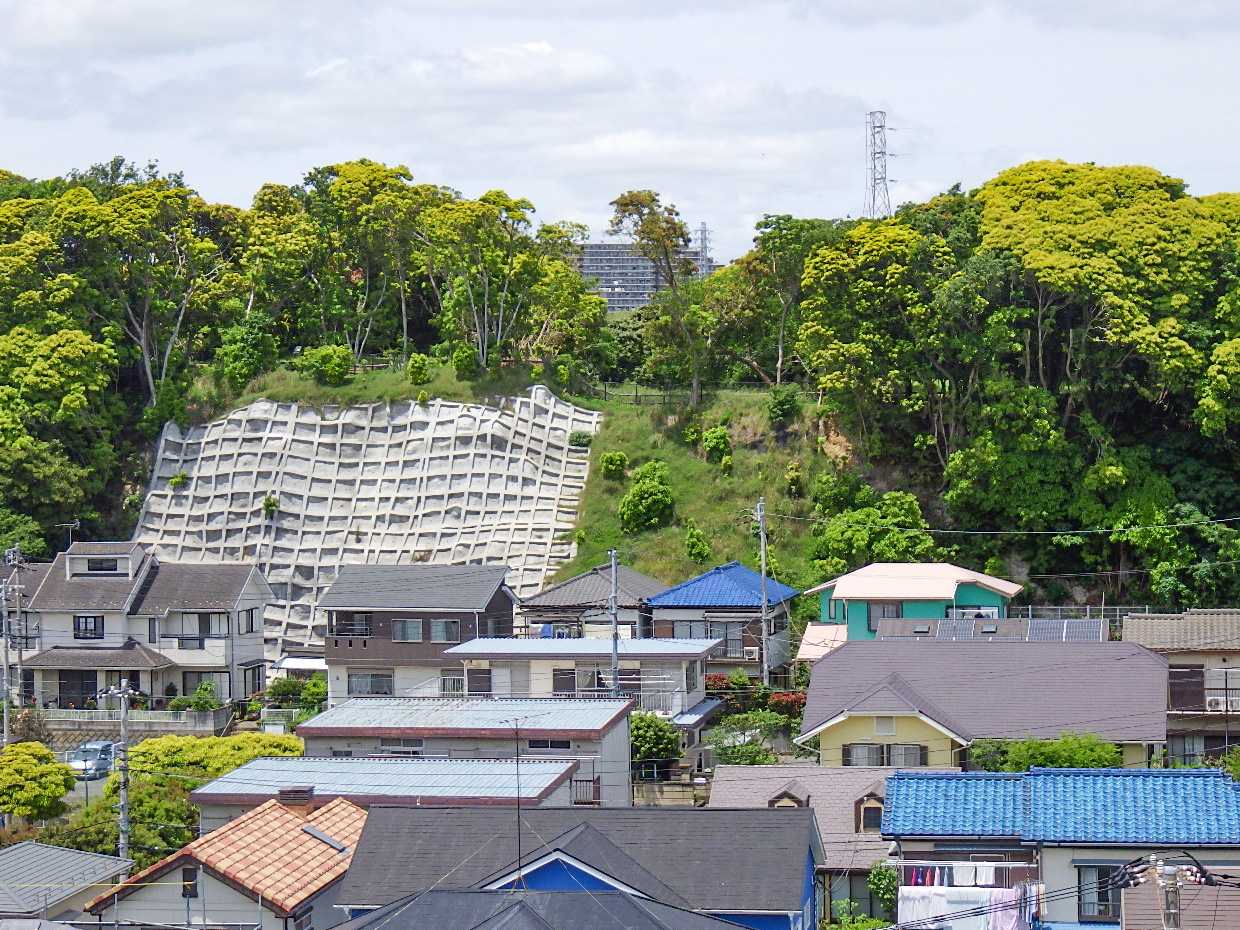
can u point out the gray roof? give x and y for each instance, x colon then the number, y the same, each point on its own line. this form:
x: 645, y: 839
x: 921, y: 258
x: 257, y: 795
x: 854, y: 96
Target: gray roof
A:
x: 1037, y: 630
x: 386, y: 781
x: 83, y: 592
x: 481, y: 716
x: 414, y: 587
x: 131, y: 655
x: 1204, y: 631
x: 998, y: 689
x: 548, y: 648
x: 682, y: 856
x: 191, y: 586
x: 29, y: 576
x: 532, y: 910
x: 592, y: 588
x: 832, y: 792
x: 90, y: 547
x: 31, y: 873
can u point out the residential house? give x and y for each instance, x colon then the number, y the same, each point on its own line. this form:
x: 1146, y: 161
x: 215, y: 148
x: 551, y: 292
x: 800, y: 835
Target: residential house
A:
x: 315, y: 781
x: 108, y: 611
x: 848, y: 807
x: 1064, y: 828
x: 276, y: 867
x: 20, y: 582
x: 912, y: 703
x: 41, y: 881
x: 1202, y: 648
x: 725, y: 603
x: 910, y: 591
x: 388, y: 626
x: 662, y: 676
x: 578, y: 606
x: 592, y: 731
x: 531, y: 910
x: 753, y: 867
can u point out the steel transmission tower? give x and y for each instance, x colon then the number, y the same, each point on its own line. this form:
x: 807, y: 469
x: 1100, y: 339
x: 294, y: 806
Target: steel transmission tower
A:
x: 877, y: 199
x: 703, y: 250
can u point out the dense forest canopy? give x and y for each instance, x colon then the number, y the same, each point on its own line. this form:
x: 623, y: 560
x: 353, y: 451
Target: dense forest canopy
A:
x: 1058, y: 349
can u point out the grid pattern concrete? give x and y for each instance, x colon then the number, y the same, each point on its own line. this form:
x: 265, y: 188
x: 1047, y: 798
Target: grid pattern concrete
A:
x: 384, y: 483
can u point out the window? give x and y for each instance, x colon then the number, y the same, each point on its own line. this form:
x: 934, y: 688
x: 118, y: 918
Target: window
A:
x: 254, y: 678
x: 884, y: 726
x: 872, y: 817
x: 493, y: 626
x: 863, y: 754
x: 215, y: 624
x: 87, y: 627
x: 445, y: 631
x: 191, y: 680
x: 189, y: 882
x: 1187, y: 685
x: 1097, y: 899
x: 693, y: 675
x: 478, y: 680
x: 733, y: 638
x: 348, y: 624
x: 394, y: 746
x: 905, y: 755
x: 564, y: 681
x: 550, y: 744
x: 451, y: 682
x: 304, y: 920
x: 883, y: 610
x: 691, y: 629
x: 247, y: 621
x: 102, y: 565
x: 342, y: 753
x: 371, y: 682
x: 152, y: 630
x: 406, y: 631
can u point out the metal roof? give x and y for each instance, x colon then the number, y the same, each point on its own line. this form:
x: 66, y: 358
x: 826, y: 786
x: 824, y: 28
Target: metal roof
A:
x: 483, y: 716
x: 373, y: 781
x: 28, y: 870
x: 414, y: 587
x: 592, y: 588
x: 699, y: 713
x: 728, y: 585
x: 585, y: 647
x: 911, y: 581
x: 1115, y: 807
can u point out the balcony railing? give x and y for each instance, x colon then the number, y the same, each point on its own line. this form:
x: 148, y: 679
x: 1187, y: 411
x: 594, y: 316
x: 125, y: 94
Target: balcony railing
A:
x: 586, y: 791
x: 351, y: 626
x: 1205, y: 700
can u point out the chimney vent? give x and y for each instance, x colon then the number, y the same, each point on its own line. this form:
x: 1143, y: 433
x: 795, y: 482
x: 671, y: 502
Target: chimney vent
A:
x: 297, y: 795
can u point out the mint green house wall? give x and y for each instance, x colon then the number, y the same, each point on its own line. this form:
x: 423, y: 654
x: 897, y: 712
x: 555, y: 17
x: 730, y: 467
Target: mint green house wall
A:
x: 857, y: 615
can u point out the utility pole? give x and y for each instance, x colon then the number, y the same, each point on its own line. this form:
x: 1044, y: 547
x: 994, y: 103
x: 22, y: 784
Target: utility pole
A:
x: 516, y: 738
x: 760, y: 512
x: 124, y: 692
x: 13, y: 557
x: 4, y: 632
x: 615, y: 626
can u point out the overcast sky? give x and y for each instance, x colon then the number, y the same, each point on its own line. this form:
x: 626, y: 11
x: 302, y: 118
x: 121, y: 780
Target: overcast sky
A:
x: 730, y: 109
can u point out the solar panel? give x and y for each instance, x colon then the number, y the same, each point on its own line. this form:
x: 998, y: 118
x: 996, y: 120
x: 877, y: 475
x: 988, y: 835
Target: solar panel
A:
x: 1045, y: 630
x: 1083, y: 631
x: 956, y: 629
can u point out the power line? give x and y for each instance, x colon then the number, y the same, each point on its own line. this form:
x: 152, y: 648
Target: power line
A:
x: 1060, y: 532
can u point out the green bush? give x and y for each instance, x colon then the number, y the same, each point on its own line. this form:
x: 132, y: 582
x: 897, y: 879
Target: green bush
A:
x: 314, y: 693
x: 205, y: 697
x: 271, y: 504
x: 246, y: 351
x: 725, y: 464
x: 613, y: 465
x: 423, y: 398
x: 178, y: 480
x: 655, y: 471
x: 465, y: 362
x: 794, y: 480
x: 652, y: 737
x: 716, y: 443
x: 580, y: 438
x: 884, y: 883
x: 784, y: 405
x: 286, y: 691
x: 418, y: 369
x: 696, y: 545
x: 691, y: 434
x: 326, y: 364
x: 648, y: 505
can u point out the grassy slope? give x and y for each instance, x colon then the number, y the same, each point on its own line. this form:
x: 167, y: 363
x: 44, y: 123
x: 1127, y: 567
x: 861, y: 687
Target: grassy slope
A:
x: 714, y: 501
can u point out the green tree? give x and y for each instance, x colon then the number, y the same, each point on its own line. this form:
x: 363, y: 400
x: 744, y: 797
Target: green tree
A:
x: 33, y: 783
x: 195, y: 760
x: 652, y: 737
x: 890, y: 528
x: 744, y: 739
x: 1068, y: 751
x: 162, y: 821
x: 246, y: 350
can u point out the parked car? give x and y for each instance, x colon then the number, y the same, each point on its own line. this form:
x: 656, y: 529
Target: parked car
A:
x: 93, y: 759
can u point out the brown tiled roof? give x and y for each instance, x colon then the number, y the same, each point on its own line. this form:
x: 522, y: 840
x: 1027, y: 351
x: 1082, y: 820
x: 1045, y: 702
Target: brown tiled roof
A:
x: 591, y: 589
x: 190, y: 586
x: 1204, y: 631
x: 1117, y: 691
x: 130, y: 655
x: 270, y: 852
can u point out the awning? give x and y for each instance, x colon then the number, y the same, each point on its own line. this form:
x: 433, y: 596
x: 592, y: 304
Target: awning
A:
x: 300, y: 664
x: 821, y: 638
x: 698, y: 714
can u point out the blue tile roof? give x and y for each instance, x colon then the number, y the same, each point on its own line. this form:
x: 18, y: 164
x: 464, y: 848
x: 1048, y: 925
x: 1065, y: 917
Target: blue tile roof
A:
x: 1133, y: 807
x: 730, y: 585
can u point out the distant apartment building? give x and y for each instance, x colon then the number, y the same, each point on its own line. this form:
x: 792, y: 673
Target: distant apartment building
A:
x: 628, y: 280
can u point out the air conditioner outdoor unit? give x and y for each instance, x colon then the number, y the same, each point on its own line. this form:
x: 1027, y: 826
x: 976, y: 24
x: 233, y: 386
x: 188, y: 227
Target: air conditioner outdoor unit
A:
x: 751, y: 653
x: 1233, y: 704
x: 1216, y: 703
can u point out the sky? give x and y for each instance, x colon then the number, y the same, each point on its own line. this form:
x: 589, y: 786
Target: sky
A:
x: 730, y: 109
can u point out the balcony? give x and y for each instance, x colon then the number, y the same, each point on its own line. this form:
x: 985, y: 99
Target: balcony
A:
x: 587, y: 791
x: 351, y: 626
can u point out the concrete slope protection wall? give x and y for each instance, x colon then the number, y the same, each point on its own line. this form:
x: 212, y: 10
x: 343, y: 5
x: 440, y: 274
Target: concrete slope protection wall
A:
x: 383, y: 483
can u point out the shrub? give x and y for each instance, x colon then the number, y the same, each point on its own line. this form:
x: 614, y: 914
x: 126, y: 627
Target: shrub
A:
x: 691, y: 434
x: 884, y: 883
x: 716, y: 443
x: 465, y: 362
x: 696, y: 545
x: 246, y: 351
x: 794, y: 480
x: 326, y: 364
x: 648, y: 505
x: 32, y: 781
x: 286, y: 691
x: 418, y: 369
x: 725, y: 464
x: 179, y: 703
x: 314, y: 693
x: 652, y: 737
x: 580, y: 438
x: 271, y: 504
x: 717, y: 681
x: 254, y: 709
x: 655, y: 471
x: 613, y: 465
x: 743, y: 739
x: 178, y: 480
x: 423, y: 398
x: 205, y: 697
x: 784, y: 405
x: 788, y: 703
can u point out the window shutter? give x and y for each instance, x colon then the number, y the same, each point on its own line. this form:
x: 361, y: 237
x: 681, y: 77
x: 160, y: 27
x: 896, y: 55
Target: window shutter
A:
x: 847, y: 755
x: 925, y: 755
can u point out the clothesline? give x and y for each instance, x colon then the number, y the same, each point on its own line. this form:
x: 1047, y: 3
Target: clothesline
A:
x: 948, y: 863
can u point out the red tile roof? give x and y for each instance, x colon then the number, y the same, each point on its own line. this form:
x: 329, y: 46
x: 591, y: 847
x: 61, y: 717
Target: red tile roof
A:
x: 267, y: 852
